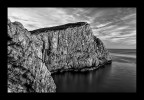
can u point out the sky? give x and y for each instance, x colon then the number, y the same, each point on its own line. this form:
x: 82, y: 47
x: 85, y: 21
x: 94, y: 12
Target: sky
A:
x: 116, y: 27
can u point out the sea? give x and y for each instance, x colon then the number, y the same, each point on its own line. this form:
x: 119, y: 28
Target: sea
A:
x: 120, y: 76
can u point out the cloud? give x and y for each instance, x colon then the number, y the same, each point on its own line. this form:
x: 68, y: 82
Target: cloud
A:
x: 131, y: 16
x: 41, y: 17
x: 116, y: 26
x: 122, y: 30
x: 32, y: 26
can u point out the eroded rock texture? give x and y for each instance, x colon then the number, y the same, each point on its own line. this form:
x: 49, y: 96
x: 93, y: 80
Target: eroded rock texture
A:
x: 72, y: 47
x: 26, y: 68
x: 34, y: 55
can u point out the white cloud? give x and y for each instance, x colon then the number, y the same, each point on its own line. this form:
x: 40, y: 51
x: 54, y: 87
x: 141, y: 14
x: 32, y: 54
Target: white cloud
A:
x: 129, y: 16
x: 114, y: 32
x: 102, y: 25
x: 40, y: 17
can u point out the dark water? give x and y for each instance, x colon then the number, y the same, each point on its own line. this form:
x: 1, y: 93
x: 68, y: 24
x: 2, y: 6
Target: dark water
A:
x: 120, y: 76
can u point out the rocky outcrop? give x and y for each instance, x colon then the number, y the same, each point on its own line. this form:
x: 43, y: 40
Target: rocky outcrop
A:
x: 26, y: 68
x: 72, y: 47
x: 34, y: 55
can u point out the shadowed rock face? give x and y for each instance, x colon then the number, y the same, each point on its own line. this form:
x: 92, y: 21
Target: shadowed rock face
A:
x: 34, y: 55
x: 26, y: 69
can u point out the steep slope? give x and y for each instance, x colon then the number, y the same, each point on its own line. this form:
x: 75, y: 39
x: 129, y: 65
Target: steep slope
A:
x: 26, y: 70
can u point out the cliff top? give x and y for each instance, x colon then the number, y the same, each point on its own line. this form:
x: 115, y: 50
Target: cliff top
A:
x: 60, y: 27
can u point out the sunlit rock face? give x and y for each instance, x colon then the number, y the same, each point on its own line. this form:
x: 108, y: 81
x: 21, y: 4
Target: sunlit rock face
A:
x: 26, y: 69
x: 72, y: 47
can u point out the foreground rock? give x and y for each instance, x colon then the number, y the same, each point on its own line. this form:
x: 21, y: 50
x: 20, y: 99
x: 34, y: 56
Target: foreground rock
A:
x: 72, y: 47
x: 26, y: 68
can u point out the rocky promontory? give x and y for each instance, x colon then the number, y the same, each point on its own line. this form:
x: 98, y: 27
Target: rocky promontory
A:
x: 34, y: 55
x: 72, y: 47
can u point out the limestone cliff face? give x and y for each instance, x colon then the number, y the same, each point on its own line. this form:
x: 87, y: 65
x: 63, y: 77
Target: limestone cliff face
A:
x: 72, y: 47
x: 26, y: 69
x: 34, y: 55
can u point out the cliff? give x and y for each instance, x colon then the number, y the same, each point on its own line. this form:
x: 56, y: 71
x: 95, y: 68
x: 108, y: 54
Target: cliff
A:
x: 72, y: 47
x: 26, y: 69
x: 34, y: 55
